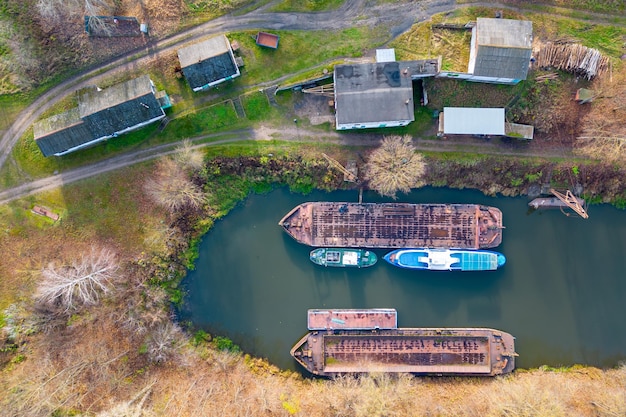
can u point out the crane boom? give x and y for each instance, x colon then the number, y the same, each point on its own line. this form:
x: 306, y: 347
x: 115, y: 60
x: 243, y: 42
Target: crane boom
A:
x: 349, y: 175
x: 570, y: 201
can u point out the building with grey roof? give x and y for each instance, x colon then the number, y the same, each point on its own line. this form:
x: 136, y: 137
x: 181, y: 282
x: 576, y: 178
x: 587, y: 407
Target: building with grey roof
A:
x: 480, y: 121
x: 500, y: 51
x: 100, y: 115
x: 208, y: 63
x: 378, y: 94
x: 372, y: 95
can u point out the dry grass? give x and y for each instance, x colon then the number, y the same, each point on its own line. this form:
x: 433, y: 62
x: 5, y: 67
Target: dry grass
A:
x: 122, y: 358
x: 604, y: 130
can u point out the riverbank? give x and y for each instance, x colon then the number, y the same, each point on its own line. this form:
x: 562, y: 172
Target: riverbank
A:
x: 127, y: 349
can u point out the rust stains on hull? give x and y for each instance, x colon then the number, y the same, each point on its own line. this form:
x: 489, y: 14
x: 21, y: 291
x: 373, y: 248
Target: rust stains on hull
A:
x: 425, y: 351
x: 394, y: 225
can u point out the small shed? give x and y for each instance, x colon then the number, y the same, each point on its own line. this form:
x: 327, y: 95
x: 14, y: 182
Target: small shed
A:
x: 501, y: 49
x: 101, y: 114
x: 269, y: 40
x: 472, y: 121
x: 208, y: 63
x: 481, y: 122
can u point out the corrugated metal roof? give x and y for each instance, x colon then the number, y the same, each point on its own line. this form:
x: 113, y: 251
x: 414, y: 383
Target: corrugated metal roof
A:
x: 124, y: 115
x: 385, y: 55
x: 211, y: 70
x: 99, y: 114
x: 369, y: 93
x: 56, y: 123
x: 207, y: 62
x: 503, y: 48
x: 201, y: 51
x: 505, y: 33
x: 95, y: 101
x: 473, y: 121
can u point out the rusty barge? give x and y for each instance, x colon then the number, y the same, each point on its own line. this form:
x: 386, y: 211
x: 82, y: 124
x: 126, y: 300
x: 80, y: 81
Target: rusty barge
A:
x: 352, y: 319
x: 394, y: 225
x: 422, y: 351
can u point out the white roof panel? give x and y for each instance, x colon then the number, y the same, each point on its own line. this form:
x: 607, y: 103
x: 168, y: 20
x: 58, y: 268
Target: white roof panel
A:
x: 473, y: 121
x: 385, y: 55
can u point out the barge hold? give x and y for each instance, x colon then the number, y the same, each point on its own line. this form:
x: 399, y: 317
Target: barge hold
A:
x: 352, y: 319
x: 394, y: 225
x: 422, y: 351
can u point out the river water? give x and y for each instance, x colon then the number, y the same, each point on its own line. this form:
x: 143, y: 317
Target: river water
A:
x: 562, y: 292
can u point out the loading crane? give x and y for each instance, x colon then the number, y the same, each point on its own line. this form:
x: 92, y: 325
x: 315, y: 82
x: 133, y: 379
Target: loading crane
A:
x: 571, y: 201
x: 348, y: 176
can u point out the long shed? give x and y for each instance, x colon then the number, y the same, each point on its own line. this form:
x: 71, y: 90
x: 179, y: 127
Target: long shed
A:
x: 208, y: 63
x: 101, y: 114
x: 473, y: 121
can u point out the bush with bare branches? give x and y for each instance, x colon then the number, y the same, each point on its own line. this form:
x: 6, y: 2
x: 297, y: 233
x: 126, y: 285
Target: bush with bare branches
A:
x: 394, y: 166
x: 68, y: 287
x: 188, y: 157
x: 172, y: 188
x: 163, y: 341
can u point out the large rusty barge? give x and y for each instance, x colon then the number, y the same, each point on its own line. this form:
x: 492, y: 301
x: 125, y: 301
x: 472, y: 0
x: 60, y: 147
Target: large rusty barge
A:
x: 394, y: 225
x: 423, y: 351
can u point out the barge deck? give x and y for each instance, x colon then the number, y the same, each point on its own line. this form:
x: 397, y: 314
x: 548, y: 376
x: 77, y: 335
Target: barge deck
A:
x: 424, y: 351
x: 352, y: 319
x: 394, y: 225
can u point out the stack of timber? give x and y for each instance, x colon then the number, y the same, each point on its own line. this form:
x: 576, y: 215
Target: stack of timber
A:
x: 424, y: 351
x: 394, y: 225
x: 572, y: 57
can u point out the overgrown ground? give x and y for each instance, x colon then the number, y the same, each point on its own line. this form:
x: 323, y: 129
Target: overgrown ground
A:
x: 107, y: 359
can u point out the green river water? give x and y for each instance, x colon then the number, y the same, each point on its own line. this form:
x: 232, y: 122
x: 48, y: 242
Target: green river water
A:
x: 562, y: 292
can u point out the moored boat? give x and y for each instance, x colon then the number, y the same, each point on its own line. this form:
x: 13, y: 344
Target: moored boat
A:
x: 394, y: 225
x: 446, y: 259
x: 424, y: 351
x: 342, y: 257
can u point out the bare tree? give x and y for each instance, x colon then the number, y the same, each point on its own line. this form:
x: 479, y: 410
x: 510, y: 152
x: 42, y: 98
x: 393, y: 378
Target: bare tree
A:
x: 80, y: 283
x: 163, y: 341
x: 394, y: 166
x: 132, y: 408
x: 189, y: 158
x: 172, y: 188
x: 56, y: 10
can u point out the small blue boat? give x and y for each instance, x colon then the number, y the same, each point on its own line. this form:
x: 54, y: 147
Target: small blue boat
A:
x: 446, y: 259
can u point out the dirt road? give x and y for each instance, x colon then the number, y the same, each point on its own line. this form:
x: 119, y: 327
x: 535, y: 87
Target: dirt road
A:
x: 286, y: 133
x: 396, y: 16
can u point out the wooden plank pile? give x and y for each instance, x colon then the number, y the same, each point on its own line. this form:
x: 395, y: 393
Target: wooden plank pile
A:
x: 572, y: 57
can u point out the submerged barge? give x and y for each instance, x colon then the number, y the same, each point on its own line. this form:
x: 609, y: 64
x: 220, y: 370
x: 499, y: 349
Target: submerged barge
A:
x: 394, y: 225
x: 423, y: 351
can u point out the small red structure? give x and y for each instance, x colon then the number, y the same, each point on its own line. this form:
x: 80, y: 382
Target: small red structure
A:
x: 268, y: 40
x: 44, y: 211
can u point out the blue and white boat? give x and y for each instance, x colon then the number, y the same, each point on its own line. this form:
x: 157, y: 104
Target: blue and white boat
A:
x: 446, y: 259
